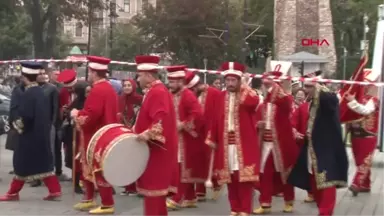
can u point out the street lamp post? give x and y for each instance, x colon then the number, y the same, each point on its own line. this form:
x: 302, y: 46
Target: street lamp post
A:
x: 112, y: 22
x: 345, y: 53
x: 366, y: 30
x: 205, y: 60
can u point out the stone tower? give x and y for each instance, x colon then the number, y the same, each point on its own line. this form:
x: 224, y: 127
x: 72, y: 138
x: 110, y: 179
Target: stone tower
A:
x: 298, y: 19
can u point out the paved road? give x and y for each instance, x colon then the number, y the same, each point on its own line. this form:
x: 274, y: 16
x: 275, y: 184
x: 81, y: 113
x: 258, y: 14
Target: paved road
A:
x: 31, y: 198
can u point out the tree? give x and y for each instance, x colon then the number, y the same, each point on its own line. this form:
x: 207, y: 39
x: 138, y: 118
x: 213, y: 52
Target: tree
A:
x: 126, y: 43
x: 349, y: 29
x: 15, y: 38
x: 174, y: 27
x: 46, y: 16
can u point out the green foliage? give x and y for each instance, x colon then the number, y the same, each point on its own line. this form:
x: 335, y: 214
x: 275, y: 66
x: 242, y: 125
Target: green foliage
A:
x: 349, y: 29
x: 176, y: 27
x: 126, y: 43
x: 15, y: 39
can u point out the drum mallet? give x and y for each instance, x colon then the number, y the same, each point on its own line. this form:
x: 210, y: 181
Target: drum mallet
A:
x: 209, y: 183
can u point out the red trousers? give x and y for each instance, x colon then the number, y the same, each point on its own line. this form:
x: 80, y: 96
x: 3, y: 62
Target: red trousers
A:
x: 155, y: 206
x: 325, y: 198
x: 201, y: 189
x: 106, y: 193
x: 240, y: 194
x: 131, y: 188
x: 185, y: 191
x: 269, y: 185
x: 363, y: 150
x: 51, y: 182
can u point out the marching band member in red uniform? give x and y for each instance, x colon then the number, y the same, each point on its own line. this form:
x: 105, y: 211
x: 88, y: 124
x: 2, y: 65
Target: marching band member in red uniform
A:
x: 129, y: 104
x: 364, y: 134
x: 233, y: 135
x: 189, y: 121
x: 207, y: 97
x: 99, y: 110
x: 68, y: 78
x: 322, y: 165
x: 156, y: 124
x: 279, y: 148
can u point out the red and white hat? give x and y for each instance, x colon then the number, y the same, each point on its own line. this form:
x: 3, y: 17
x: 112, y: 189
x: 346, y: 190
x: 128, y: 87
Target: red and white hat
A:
x: 67, y: 77
x: 176, y: 72
x: 233, y: 69
x: 370, y: 75
x: 191, y: 79
x: 279, y: 68
x: 98, y: 63
x: 147, y: 63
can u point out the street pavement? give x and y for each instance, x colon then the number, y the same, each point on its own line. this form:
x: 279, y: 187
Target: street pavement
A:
x: 31, y: 202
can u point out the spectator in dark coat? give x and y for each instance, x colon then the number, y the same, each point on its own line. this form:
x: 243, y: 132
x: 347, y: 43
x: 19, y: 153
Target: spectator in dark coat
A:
x: 13, y: 135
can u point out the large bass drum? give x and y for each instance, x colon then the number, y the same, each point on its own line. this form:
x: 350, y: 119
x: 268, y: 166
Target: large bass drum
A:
x: 115, y: 151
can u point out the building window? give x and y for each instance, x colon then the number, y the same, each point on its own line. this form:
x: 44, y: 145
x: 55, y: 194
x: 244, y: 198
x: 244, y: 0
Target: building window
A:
x: 127, y: 6
x: 79, y: 29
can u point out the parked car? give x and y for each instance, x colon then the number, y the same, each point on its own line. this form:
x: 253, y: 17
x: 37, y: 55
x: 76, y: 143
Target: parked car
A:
x: 5, y: 103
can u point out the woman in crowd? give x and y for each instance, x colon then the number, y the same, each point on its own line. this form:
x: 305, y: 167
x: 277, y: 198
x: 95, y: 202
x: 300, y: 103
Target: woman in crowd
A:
x: 129, y: 105
x: 299, y: 97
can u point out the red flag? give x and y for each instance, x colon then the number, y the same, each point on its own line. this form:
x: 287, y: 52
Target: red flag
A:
x: 346, y: 114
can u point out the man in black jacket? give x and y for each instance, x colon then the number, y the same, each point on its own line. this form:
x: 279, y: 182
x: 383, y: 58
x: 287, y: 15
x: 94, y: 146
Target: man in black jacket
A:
x: 58, y: 133
x: 12, y: 136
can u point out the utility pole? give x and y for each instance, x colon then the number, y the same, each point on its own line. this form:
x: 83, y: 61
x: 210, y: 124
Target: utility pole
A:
x: 226, y: 36
x: 90, y: 13
x: 245, y: 32
x: 364, y: 44
x: 112, y: 21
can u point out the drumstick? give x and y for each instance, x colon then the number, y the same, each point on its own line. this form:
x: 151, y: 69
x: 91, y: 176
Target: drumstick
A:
x: 74, y: 160
x: 153, y: 143
x: 209, y: 183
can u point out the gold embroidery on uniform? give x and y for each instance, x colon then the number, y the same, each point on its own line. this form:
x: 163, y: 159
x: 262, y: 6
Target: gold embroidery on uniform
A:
x: 33, y: 84
x: 364, y: 168
x: 203, y: 97
x: 277, y: 92
x: 155, y: 193
x: 98, y: 156
x: 246, y: 173
x: 224, y: 174
x: 35, y: 177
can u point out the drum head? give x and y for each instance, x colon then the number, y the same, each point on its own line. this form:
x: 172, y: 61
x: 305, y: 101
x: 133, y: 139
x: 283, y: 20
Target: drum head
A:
x: 125, y: 161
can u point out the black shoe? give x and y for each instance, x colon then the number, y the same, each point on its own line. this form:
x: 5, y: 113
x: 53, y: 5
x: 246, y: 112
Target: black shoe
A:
x: 79, y: 190
x: 11, y: 172
x: 63, y: 178
x: 354, y: 190
x: 36, y: 183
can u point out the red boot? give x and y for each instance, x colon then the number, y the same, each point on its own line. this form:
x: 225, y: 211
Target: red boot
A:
x: 13, y: 192
x: 54, y: 188
x: 9, y: 197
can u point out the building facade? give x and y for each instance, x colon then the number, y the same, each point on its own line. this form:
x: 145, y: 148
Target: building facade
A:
x: 125, y: 10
